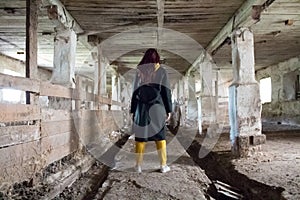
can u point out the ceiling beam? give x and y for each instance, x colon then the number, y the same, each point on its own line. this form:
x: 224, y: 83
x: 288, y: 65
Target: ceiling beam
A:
x: 160, y: 19
x: 58, y: 12
x: 59, y: 15
x: 247, y: 15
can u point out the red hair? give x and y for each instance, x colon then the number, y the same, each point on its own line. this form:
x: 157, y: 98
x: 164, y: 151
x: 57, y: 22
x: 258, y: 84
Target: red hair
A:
x: 146, y: 67
x: 150, y: 56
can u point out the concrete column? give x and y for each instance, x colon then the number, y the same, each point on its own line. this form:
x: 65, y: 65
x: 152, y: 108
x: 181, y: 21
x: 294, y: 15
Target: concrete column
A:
x: 244, y: 99
x: 114, y: 90
x: 65, y: 42
x: 207, y: 99
x: 181, y: 101
x: 125, y: 98
x: 199, y: 115
x: 96, y: 78
x: 119, y: 88
x: 100, y: 77
x: 191, y: 102
x: 175, y: 93
x: 100, y: 73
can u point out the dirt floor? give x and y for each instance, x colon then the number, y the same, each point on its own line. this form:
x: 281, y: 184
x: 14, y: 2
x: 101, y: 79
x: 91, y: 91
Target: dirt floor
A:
x: 278, y: 163
x: 201, y: 168
x: 272, y: 173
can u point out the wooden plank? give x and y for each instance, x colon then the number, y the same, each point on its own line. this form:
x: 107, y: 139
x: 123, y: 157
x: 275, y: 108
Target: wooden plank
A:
x: 19, y: 112
x: 19, y: 83
x: 20, y: 162
x: 105, y: 100
x: 57, y: 127
x: 31, y: 42
x: 54, y: 141
x: 48, y: 115
x: 58, y: 13
x: 19, y: 155
x: 58, y: 153
x: 58, y: 146
x: 241, y: 17
x: 82, y: 95
x: 48, y: 89
x: 117, y: 103
x: 13, y: 135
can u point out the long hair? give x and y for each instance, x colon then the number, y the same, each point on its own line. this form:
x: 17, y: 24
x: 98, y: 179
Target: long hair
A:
x: 146, y: 67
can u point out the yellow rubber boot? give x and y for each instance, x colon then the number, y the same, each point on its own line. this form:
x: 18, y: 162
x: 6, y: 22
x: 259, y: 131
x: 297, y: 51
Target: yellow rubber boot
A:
x: 162, y: 151
x: 139, y: 150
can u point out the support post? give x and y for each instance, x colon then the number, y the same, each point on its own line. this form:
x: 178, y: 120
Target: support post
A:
x: 65, y: 43
x: 191, y: 102
x: 114, y: 90
x: 100, y: 74
x: 207, y: 99
x: 244, y: 99
x: 31, y: 42
x: 181, y: 101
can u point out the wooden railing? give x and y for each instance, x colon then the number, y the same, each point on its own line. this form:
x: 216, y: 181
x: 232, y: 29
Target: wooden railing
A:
x: 33, y: 136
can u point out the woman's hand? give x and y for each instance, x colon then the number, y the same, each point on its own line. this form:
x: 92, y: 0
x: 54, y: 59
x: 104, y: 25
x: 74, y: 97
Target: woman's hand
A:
x: 168, y: 117
x: 131, y: 116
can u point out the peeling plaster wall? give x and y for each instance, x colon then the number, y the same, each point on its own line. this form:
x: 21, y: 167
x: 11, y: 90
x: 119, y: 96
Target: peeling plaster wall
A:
x: 284, y: 107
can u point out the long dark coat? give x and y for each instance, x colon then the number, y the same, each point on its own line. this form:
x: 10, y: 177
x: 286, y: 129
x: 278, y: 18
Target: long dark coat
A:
x: 150, y: 104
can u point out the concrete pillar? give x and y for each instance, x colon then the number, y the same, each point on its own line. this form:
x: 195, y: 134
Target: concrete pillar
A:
x: 191, y: 102
x: 114, y: 90
x: 100, y: 73
x: 100, y: 77
x: 207, y: 99
x: 65, y: 42
x: 181, y: 101
x: 175, y: 92
x: 199, y: 115
x: 119, y: 88
x: 125, y: 98
x: 244, y: 99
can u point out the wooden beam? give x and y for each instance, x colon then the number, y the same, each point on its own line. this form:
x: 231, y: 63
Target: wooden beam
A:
x: 48, y: 89
x: 19, y: 112
x: 245, y: 16
x: 93, y: 40
x: 160, y: 19
x: 31, y: 41
x: 19, y: 83
x: 59, y: 15
x: 51, y: 128
x: 58, y: 12
x: 12, y: 135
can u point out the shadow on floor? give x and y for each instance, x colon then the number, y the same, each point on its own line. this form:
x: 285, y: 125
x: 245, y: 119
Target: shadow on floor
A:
x: 218, y: 166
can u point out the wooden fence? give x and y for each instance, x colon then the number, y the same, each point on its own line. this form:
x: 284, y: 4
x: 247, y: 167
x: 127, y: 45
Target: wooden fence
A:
x: 33, y: 136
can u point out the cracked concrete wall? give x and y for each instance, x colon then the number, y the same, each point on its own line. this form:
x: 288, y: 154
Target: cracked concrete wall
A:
x: 284, y: 107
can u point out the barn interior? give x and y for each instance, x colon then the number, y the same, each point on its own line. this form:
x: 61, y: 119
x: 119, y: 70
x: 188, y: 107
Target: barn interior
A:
x: 66, y: 78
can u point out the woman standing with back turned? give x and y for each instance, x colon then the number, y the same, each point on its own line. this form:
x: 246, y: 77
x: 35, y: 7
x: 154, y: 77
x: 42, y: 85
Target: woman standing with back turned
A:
x: 151, y: 107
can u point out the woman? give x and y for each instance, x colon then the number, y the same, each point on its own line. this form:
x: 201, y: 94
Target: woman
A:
x: 151, y: 107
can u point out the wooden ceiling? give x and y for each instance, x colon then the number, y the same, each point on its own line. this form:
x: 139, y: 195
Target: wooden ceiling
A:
x: 180, y: 29
x: 276, y: 35
x: 183, y: 21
